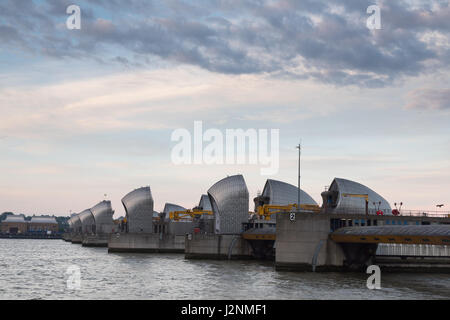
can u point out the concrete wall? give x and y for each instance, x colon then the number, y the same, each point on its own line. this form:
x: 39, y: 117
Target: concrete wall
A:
x: 77, y: 238
x: 146, y: 243
x: 180, y: 227
x: 67, y: 237
x: 206, y: 225
x: 97, y: 240
x: 199, y: 246
x: 106, y: 228
x: 299, y: 240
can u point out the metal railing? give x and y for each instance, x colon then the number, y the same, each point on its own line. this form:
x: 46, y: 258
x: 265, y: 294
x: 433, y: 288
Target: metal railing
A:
x: 403, y: 213
x: 412, y: 250
x: 425, y: 213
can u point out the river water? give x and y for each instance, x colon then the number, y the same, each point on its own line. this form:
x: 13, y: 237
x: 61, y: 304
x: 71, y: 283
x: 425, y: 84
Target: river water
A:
x: 37, y: 269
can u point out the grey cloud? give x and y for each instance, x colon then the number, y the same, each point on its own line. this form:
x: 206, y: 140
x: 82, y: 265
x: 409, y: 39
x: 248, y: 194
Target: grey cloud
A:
x: 301, y: 39
x: 432, y: 99
x: 9, y: 35
x: 399, y: 15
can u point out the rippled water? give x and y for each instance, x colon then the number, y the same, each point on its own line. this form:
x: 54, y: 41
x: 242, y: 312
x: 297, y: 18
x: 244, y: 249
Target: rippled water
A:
x: 36, y: 269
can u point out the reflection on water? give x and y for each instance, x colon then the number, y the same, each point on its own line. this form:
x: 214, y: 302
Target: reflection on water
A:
x: 36, y: 269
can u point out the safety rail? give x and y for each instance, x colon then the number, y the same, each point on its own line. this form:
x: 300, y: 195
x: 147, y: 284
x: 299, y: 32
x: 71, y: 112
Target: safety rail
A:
x: 403, y: 213
x: 423, y: 213
x: 412, y: 250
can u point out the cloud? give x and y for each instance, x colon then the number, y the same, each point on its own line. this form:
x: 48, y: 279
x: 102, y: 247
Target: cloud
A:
x: 157, y: 100
x: 426, y: 98
x: 9, y: 35
x: 321, y: 40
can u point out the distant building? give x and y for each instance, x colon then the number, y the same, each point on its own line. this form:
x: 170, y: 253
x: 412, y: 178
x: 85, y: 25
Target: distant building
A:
x: 14, y: 224
x: 43, y: 224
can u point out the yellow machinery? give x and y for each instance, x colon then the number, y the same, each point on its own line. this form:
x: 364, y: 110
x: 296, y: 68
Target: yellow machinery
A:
x: 188, y: 214
x: 364, y: 196
x: 268, y: 210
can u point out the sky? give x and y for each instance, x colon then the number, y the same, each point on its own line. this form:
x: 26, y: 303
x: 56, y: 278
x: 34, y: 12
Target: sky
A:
x: 90, y: 112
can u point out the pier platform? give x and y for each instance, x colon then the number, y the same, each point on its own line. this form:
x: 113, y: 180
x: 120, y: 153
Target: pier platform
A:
x: 217, y: 247
x: 95, y: 240
x: 317, y: 242
x: 146, y: 243
x: 67, y: 237
x: 77, y: 239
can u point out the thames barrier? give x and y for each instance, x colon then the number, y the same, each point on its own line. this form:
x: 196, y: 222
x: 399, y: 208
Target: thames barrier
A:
x: 353, y: 228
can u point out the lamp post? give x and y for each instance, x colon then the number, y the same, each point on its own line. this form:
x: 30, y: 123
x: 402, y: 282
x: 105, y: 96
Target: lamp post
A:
x: 299, y: 147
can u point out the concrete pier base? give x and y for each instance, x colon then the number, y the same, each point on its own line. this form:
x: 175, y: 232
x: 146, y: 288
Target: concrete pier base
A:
x: 99, y: 240
x: 303, y: 244
x: 146, y: 243
x: 217, y: 247
x: 77, y: 238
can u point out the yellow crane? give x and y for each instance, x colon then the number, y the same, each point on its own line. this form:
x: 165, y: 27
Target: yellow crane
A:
x: 188, y: 214
x: 268, y: 210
